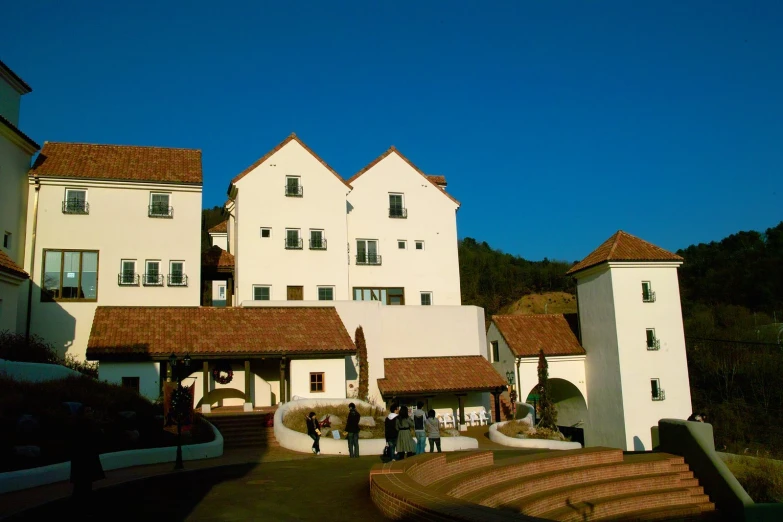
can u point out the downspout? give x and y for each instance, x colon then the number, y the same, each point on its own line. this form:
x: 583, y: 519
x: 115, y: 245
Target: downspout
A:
x: 32, y: 263
x: 348, y: 249
x: 519, y: 383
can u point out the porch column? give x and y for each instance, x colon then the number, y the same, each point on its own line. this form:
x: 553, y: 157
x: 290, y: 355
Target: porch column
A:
x: 230, y: 291
x: 461, y: 402
x: 496, y: 394
x: 248, y: 385
x: 205, y: 405
x: 282, y: 380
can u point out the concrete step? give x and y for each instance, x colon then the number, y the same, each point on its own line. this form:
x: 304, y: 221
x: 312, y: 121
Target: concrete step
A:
x: 616, y: 505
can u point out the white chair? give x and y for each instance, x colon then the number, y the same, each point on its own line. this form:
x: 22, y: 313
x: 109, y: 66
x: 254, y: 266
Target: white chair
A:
x: 483, y: 417
x: 448, y: 419
x: 474, y: 419
x: 441, y: 421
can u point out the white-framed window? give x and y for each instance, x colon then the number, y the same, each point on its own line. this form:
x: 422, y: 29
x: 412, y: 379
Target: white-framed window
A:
x: 128, y: 275
x: 419, y: 245
x: 76, y: 202
x: 293, y: 241
x: 367, y: 252
x: 160, y: 205
x: 495, y: 351
x: 648, y: 296
x: 152, y: 273
x: 293, y: 187
x: 222, y: 292
x: 317, y: 240
x: 326, y: 293
x: 266, y: 232
x: 402, y: 244
x: 397, y: 205
x: 177, y: 275
x: 426, y: 298
x: 6, y: 240
x: 262, y: 292
x: 657, y: 392
x: 652, y: 341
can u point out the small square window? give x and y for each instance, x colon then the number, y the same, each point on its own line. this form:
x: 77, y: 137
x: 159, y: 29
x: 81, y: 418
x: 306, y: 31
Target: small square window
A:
x: 657, y: 393
x: 266, y: 232
x: 293, y: 241
x: 426, y: 298
x: 7, y: 240
x: 261, y: 293
x: 160, y: 205
x: 419, y: 245
x: 648, y: 296
x: 222, y: 293
x: 128, y: 272
x: 131, y: 382
x: 402, y: 244
x: 316, y: 382
x: 293, y: 188
x: 326, y: 293
x: 152, y: 274
x: 495, y: 351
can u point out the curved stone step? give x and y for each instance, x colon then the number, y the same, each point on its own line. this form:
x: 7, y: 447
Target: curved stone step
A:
x: 687, y: 512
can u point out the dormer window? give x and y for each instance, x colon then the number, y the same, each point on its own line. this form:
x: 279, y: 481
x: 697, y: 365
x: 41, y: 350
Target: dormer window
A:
x: 648, y: 296
x: 160, y: 205
x: 293, y: 187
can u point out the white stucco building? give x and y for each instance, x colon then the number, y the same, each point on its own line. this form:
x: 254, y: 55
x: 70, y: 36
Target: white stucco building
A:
x: 16, y: 151
x: 630, y: 368
x: 110, y: 225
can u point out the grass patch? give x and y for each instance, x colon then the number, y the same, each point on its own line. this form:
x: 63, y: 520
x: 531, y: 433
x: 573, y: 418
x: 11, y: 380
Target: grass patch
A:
x: 518, y: 427
x: 761, y: 477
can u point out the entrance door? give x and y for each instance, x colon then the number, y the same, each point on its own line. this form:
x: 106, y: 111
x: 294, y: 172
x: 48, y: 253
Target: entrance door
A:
x: 295, y: 293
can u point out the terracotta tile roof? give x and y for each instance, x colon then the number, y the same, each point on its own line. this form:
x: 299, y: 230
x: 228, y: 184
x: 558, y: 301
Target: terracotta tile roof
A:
x: 220, y: 228
x: 419, y: 375
x: 624, y: 247
x: 526, y: 334
x: 437, y: 179
x: 8, y: 266
x: 118, y: 162
x: 156, y: 332
x: 217, y: 258
x: 27, y: 139
x: 26, y: 88
x: 282, y: 144
x: 394, y: 149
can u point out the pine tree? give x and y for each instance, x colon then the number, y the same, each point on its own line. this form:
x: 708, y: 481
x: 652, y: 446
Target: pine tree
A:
x: 361, y: 355
x: 548, y: 411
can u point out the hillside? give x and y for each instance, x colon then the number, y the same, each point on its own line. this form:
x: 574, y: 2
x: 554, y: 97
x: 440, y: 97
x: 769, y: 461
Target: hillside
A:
x: 546, y: 303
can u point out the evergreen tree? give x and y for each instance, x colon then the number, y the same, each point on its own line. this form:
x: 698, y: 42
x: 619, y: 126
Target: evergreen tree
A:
x: 361, y: 355
x: 548, y: 417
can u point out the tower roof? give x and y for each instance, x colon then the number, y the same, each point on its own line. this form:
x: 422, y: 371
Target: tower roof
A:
x: 622, y: 246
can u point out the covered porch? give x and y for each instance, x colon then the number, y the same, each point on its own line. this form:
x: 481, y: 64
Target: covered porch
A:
x: 461, y: 384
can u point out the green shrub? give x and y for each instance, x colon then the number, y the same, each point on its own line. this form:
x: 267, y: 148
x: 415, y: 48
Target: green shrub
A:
x: 761, y: 477
x: 13, y: 347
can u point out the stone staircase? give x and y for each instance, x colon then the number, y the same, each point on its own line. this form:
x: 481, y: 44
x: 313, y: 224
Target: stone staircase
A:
x: 575, y: 485
x: 244, y: 430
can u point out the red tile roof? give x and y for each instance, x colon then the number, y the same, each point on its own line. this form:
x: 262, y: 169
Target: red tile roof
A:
x: 217, y: 258
x: 8, y: 266
x: 414, y: 167
x: 624, y: 247
x: 437, y: 179
x: 118, y: 162
x: 156, y: 332
x: 220, y: 228
x: 526, y: 334
x: 420, y: 375
x: 282, y: 144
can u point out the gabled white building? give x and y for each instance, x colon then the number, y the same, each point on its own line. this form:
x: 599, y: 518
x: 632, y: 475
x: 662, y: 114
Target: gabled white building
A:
x: 16, y: 151
x: 110, y: 225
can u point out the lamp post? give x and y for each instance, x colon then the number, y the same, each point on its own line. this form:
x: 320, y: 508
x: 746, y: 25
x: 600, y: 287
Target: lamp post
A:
x: 177, y: 374
x: 513, y: 393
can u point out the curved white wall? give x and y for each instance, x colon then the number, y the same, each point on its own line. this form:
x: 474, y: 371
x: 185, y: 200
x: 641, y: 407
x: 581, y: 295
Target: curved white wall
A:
x: 35, y: 372
x: 499, y: 438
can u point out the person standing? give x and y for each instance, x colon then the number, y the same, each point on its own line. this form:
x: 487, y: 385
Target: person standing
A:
x: 433, y: 430
x: 420, y: 427
x: 314, y: 431
x: 352, y: 429
x: 404, y: 424
x: 390, y: 429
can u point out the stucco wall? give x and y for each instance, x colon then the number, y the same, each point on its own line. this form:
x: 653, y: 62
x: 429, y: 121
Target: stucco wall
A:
x: 262, y: 203
x: 334, y: 378
x: 118, y: 227
x: 9, y: 297
x: 10, y: 102
x: 147, y: 372
x: 637, y: 364
x: 14, y: 164
x: 431, y: 218
x: 219, y: 240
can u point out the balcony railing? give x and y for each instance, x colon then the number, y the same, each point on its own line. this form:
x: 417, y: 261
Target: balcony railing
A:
x: 152, y: 279
x: 158, y: 210
x: 661, y: 396
x: 368, y: 259
x: 178, y: 280
x: 398, y: 212
x: 294, y: 191
x: 75, y: 206
x: 648, y: 297
x: 653, y: 345
x: 318, y: 244
x: 128, y: 279
x: 293, y: 244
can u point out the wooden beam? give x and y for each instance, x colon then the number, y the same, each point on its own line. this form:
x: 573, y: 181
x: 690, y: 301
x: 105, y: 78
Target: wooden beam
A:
x: 461, y: 402
x: 248, y: 380
x: 205, y: 378
x: 281, y: 396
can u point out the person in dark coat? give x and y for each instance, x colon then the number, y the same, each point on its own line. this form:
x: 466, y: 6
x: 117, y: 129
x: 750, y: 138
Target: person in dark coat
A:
x: 314, y: 430
x: 85, y: 457
x: 352, y: 429
x: 390, y: 428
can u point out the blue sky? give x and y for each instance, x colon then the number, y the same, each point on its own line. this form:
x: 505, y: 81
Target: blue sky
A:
x: 556, y: 123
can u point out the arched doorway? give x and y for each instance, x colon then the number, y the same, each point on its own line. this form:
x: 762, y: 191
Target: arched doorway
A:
x: 571, y: 407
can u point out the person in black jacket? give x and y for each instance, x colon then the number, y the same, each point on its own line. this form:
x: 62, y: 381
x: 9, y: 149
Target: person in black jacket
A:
x: 314, y: 430
x: 390, y: 428
x: 352, y: 428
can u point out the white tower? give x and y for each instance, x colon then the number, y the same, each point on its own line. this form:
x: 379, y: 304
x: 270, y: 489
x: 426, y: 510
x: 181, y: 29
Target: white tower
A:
x: 630, y: 324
